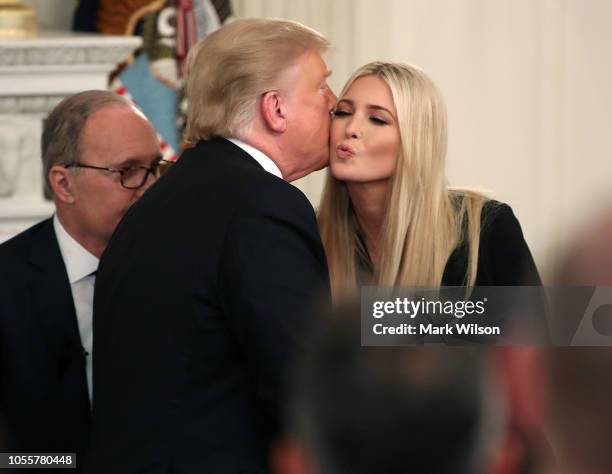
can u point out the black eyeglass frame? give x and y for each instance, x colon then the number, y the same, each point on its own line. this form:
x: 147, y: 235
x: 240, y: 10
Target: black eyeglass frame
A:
x: 153, y: 170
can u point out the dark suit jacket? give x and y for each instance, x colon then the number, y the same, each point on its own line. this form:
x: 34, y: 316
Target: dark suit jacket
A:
x: 44, y: 405
x: 201, y: 299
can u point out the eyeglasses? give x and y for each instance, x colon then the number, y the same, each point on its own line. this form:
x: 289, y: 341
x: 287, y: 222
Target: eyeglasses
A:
x: 131, y: 178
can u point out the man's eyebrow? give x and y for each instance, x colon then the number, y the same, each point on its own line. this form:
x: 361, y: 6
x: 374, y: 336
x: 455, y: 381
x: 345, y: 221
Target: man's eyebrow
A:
x: 328, y: 73
x: 128, y: 162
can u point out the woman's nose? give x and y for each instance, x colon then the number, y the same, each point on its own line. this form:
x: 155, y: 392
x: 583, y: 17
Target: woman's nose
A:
x: 352, y: 128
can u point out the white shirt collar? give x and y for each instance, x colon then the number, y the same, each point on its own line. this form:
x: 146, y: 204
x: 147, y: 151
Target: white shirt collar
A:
x: 264, y: 160
x: 78, y: 261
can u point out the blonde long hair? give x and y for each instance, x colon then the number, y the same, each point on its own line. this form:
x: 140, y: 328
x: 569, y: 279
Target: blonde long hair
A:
x: 425, y: 220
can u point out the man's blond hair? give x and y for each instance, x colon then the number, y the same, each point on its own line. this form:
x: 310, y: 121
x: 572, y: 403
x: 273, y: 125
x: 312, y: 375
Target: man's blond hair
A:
x: 231, y: 68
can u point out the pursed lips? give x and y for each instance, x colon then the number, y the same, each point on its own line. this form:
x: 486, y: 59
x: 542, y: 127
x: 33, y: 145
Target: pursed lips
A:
x: 344, y: 151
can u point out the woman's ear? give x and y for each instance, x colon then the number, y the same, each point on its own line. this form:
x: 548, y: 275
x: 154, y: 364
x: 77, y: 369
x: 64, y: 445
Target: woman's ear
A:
x: 274, y: 111
x: 61, y: 180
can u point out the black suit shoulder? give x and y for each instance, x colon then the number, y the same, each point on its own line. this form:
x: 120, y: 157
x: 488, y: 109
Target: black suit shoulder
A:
x: 213, y: 179
x: 19, y: 254
x: 252, y: 185
x: 269, y: 195
x: 44, y: 405
x: 18, y: 247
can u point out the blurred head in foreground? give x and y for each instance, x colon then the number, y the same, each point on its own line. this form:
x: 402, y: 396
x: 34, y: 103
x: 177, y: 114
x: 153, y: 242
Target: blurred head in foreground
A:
x: 578, y: 380
x: 578, y: 412
x: 362, y: 410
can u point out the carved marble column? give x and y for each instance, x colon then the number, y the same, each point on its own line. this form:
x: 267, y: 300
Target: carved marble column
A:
x: 35, y: 74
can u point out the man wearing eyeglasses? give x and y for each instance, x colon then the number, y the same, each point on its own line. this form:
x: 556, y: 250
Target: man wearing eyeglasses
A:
x: 99, y: 156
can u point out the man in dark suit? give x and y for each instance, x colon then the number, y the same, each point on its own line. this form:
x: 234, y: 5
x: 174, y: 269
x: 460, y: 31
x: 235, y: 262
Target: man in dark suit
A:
x: 203, y: 292
x: 371, y: 410
x: 99, y: 155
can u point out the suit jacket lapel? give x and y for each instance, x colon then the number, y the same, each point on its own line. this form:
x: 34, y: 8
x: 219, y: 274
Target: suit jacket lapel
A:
x: 49, y: 284
x: 51, y: 295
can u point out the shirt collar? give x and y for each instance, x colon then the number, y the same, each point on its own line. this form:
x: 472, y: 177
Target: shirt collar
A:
x: 264, y: 160
x: 78, y: 261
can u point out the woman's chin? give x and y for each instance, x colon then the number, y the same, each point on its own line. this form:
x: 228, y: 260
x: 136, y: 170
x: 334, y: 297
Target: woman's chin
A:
x: 341, y: 170
x: 339, y: 175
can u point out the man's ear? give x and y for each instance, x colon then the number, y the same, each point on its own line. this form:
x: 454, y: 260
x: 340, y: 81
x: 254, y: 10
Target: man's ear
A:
x: 61, y: 180
x: 273, y: 111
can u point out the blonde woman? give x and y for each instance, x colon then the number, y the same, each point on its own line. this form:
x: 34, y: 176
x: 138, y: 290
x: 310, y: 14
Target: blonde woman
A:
x: 387, y: 215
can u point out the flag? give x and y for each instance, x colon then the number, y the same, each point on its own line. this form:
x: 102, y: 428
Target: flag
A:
x: 153, y: 78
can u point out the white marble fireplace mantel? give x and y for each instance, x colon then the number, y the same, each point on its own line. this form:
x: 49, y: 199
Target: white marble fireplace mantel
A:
x: 35, y: 74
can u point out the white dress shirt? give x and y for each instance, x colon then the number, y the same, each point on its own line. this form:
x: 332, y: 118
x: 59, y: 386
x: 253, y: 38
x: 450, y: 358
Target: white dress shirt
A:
x: 80, y: 266
x: 264, y: 160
